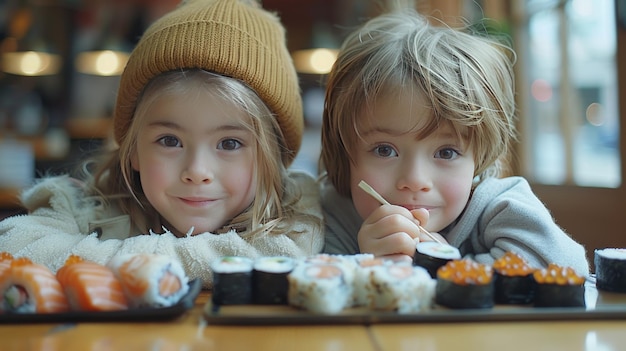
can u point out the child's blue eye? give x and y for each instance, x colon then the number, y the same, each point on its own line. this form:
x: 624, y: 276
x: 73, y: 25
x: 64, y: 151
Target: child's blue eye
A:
x: 229, y: 144
x: 169, y: 141
x: 385, y: 151
x: 447, y: 154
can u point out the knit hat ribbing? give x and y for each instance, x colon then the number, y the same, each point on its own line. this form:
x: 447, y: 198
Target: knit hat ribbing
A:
x: 222, y: 36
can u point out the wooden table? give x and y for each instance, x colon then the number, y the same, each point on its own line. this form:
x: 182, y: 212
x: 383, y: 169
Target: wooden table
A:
x: 189, y: 332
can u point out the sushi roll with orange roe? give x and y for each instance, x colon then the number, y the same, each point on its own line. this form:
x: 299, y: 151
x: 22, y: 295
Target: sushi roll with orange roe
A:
x: 150, y: 280
x: 513, y: 279
x: 559, y: 286
x: 28, y: 287
x: 464, y: 284
x: 90, y: 286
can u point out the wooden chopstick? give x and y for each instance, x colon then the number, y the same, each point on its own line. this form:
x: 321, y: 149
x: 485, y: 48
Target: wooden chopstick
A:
x: 368, y: 189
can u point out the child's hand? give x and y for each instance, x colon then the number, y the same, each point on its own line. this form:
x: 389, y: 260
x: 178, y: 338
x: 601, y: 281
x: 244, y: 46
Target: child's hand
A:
x: 391, y: 231
x: 421, y: 215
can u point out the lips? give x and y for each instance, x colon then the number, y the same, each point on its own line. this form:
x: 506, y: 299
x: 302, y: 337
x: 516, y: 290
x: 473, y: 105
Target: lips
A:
x: 197, y: 201
x: 415, y: 207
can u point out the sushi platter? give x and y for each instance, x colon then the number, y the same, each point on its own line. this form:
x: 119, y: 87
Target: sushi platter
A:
x: 600, y: 305
x: 130, y: 288
x: 362, y: 289
x: 140, y: 314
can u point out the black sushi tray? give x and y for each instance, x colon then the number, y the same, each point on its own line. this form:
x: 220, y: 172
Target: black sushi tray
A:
x: 145, y: 314
x: 600, y: 305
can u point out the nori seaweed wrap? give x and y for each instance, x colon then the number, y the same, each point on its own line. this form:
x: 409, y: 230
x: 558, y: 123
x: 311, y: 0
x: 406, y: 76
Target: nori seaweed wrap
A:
x: 232, y: 281
x: 559, y: 286
x: 513, y: 280
x: 465, y: 284
x: 269, y: 280
x: 610, y: 269
x: 431, y: 255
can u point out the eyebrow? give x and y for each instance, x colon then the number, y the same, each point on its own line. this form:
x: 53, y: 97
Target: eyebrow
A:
x: 175, y: 126
x: 384, y: 130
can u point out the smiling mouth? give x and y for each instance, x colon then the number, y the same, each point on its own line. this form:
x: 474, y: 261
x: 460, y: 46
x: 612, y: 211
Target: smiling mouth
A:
x: 196, y: 201
x: 416, y: 207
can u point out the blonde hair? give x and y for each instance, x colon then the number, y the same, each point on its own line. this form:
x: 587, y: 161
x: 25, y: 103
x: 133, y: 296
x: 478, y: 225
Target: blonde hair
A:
x: 272, y: 210
x: 467, y: 80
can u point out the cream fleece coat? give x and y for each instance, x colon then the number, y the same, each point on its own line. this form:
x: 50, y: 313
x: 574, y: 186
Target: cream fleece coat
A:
x: 62, y: 221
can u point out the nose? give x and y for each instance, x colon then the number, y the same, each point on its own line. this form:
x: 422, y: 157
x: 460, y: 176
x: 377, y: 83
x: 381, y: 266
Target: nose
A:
x: 197, y: 168
x: 415, y: 175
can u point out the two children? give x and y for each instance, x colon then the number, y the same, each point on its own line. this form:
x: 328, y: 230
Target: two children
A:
x: 425, y: 115
x: 208, y: 118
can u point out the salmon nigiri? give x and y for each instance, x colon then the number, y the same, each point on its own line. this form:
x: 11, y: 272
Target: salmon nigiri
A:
x: 29, y: 287
x: 90, y: 286
x: 150, y: 279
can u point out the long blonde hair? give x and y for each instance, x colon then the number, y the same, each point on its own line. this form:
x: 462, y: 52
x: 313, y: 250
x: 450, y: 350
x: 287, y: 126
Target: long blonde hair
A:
x: 467, y: 80
x: 272, y: 210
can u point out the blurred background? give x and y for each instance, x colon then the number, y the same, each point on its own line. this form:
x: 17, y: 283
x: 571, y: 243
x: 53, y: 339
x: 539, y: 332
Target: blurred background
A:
x: 61, y: 61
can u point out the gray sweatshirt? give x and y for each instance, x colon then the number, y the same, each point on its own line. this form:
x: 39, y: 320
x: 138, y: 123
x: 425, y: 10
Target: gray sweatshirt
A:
x: 502, y: 215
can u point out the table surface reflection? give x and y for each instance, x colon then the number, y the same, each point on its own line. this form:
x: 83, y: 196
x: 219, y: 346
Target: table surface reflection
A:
x: 190, y: 332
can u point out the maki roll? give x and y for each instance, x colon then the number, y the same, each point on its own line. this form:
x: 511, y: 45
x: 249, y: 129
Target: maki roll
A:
x: 431, y: 255
x: 402, y: 288
x: 232, y: 281
x: 362, y: 274
x: 319, y: 288
x: 464, y: 284
x: 513, y: 280
x: 610, y: 269
x: 559, y: 286
x: 90, y: 286
x: 28, y: 287
x: 150, y: 280
x: 348, y: 265
x: 269, y: 280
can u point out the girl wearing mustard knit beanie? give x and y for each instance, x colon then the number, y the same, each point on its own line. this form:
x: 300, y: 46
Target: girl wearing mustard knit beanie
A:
x: 207, y: 121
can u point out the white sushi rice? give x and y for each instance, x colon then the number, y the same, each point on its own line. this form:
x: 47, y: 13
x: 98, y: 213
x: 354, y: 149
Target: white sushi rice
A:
x: 438, y: 250
x: 276, y: 264
x: 612, y: 253
x: 362, y: 279
x: 152, y: 272
x: 319, y: 287
x: 232, y: 264
x: 400, y: 287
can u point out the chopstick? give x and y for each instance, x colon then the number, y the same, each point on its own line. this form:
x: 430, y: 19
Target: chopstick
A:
x: 368, y: 189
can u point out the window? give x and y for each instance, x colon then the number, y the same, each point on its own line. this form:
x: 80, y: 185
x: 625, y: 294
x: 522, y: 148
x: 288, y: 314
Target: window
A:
x: 570, y: 115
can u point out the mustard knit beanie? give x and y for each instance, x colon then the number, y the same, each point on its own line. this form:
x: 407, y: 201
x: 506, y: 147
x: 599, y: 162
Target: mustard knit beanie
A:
x: 227, y: 37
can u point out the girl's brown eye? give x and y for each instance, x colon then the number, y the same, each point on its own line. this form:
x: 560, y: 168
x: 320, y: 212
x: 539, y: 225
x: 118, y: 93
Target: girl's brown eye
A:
x: 385, y: 151
x: 447, y: 154
x: 229, y: 144
x: 169, y: 141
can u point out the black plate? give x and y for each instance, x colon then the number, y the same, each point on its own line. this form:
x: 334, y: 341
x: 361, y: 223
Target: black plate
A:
x: 130, y: 315
x: 599, y: 306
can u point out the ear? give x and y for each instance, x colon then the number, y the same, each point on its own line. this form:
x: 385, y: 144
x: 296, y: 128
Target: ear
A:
x: 134, y: 160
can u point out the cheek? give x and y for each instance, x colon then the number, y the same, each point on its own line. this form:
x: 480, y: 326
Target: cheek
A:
x: 240, y: 177
x: 153, y: 175
x: 456, y: 194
